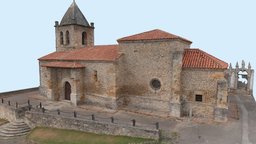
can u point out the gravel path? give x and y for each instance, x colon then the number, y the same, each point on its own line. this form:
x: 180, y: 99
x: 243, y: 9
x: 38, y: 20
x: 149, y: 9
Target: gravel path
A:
x: 18, y: 140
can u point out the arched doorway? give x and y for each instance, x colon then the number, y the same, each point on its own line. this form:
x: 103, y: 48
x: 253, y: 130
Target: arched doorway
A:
x: 67, y: 91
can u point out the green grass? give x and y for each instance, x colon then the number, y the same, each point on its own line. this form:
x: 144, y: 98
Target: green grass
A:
x: 43, y: 135
x: 3, y: 121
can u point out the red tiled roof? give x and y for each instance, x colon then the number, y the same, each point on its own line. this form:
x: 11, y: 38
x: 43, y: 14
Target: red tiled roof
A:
x: 63, y: 65
x: 152, y: 35
x: 100, y: 53
x: 196, y: 58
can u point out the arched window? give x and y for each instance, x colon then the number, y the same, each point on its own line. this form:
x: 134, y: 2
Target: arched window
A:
x: 84, y: 38
x: 67, y: 37
x: 61, y: 38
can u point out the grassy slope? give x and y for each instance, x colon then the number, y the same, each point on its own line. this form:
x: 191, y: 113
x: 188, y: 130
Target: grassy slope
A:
x: 57, y: 136
x: 2, y: 121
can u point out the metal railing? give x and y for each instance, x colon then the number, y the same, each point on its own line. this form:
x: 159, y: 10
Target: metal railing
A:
x: 37, y: 107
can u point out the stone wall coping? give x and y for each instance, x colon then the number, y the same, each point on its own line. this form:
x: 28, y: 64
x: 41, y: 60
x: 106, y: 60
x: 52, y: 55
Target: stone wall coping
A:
x: 4, y: 94
x: 34, y: 119
x: 91, y: 121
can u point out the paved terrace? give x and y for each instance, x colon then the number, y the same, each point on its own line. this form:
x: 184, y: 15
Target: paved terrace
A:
x: 85, y: 112
x: 240, y: 129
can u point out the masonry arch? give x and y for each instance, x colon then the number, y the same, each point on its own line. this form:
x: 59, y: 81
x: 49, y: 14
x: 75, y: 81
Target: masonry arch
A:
x: 67, y: 90
x: 84, y: 38
x: 242, y: 79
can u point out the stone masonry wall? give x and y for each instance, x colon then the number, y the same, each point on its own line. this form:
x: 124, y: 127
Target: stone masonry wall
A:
x: 100, y: 78
x: 48, y: 120
x: 221, y: 109
x: 96, y: 85
x: 146, y: 60
x: 100, y: 84
x: 44, y: 79
x: 53, y: 82
x: 12, y: 114
x: 198, y: 109
x: 200, y: 82
x: 7, y: 113
x: 75, y: 35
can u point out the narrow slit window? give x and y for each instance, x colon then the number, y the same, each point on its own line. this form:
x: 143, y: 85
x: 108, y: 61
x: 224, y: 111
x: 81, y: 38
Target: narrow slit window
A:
x: 61, y: 38
x: 95, y: 76
x: 67, y: 38
x: 84, y: 38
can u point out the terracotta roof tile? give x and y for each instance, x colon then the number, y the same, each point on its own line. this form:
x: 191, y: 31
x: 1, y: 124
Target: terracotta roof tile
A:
x: 97, y: 53
x: 63, y: 65
x: 152, y: 35
x: 196, y: 58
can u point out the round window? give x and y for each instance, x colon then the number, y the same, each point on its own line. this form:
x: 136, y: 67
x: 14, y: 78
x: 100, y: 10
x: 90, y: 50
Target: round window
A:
x: 155, y: 84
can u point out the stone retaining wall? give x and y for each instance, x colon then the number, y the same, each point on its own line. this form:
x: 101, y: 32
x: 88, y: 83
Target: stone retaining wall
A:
x: 49, y: 120
x: 198, y: 109
x: 12, y: 114
x: 5, y: 94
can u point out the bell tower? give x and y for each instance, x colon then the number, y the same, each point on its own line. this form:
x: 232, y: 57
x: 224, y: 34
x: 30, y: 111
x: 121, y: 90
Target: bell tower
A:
x: 74, y: 31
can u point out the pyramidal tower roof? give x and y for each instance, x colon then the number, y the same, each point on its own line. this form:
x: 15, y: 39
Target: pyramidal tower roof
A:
x: 74, y: 16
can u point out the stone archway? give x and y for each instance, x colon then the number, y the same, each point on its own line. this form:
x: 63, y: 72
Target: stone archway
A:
x: 67, y: 91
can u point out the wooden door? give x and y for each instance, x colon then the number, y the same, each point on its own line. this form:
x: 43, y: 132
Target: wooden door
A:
x: 67, y: 91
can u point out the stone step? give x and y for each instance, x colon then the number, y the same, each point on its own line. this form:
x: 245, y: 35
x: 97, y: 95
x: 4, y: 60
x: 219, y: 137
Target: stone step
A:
x: 19, y: 121
x: 2, y: 135
x: 13, y: 132
x: 13, y: 129
x: 18, y: 124
x: 18, y: 128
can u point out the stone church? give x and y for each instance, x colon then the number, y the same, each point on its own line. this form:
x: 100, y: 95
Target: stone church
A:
x: 152, y: 72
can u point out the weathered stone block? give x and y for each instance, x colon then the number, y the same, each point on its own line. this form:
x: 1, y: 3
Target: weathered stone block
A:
x: 220, y: 114
x: 175, y: 109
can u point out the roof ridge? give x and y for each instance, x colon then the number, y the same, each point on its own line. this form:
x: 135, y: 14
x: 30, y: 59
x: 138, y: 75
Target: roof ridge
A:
x: 137, y: 34
x: 155, y: 34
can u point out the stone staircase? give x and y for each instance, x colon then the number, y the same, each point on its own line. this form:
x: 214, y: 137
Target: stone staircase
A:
x: 14, y: 129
